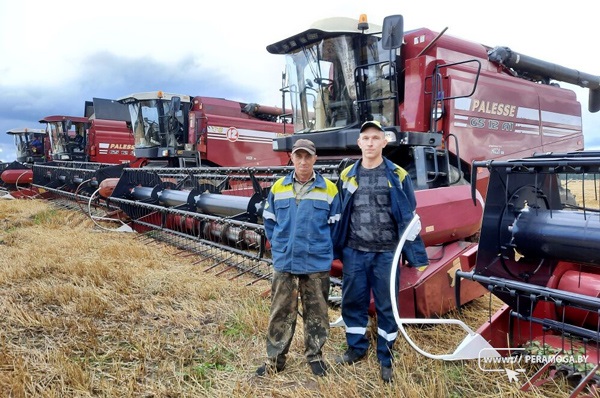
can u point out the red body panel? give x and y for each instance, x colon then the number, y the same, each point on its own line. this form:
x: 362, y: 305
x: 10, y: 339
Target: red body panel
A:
x: 23, y: 193
x: 234, y: 138
x: 504, y: 118
x: 432, y: 291
x: 448, y: 214
x: 110, y: 142
x: 235, y: 142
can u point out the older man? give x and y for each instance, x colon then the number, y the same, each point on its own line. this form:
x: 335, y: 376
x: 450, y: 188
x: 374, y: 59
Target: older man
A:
x: 299, y: 218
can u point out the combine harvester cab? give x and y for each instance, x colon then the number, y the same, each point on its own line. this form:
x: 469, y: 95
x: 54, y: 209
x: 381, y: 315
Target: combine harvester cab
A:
x: 174, y: 130
x: 444, y: 103
x: 541, y: 257
x: 31, y: 146
x: 67, y: 137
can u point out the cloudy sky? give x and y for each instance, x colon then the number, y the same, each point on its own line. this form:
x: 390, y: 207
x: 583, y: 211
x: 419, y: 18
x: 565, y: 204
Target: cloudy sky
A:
x: 57, y: 54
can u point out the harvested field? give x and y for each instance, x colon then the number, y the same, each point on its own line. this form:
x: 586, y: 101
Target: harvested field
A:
x: 585, y: 190
x: 89, y: 313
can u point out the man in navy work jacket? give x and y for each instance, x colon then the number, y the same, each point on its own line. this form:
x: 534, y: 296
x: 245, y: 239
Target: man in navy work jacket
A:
x: 378, y: 202
x: 300, y: 216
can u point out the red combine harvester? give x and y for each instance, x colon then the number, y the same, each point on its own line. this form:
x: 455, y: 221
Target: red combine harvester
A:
x: 444, y: 102
x: 181, y: 131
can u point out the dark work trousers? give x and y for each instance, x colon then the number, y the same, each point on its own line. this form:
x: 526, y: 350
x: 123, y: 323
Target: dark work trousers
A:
x: 364, y: 272
x: 314, y: 292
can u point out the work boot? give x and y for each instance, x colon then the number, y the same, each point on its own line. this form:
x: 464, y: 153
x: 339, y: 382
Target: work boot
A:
x: 268, y: 368
x: 386, y: 374
x: 318, y: 368
x: 349, y: 357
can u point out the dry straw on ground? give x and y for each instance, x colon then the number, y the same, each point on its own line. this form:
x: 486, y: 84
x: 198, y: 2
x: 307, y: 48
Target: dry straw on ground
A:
x: 88, y: 313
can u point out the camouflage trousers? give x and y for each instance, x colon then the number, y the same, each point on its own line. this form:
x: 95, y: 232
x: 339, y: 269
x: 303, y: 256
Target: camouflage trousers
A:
x: 313, y: 290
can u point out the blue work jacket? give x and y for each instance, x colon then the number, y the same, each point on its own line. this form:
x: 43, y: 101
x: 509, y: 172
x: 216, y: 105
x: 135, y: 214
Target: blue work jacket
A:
x: 301, y: 235
x: 403, y: 202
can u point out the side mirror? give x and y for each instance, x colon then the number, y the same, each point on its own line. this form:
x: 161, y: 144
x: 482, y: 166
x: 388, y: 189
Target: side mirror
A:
x: 392, y: 32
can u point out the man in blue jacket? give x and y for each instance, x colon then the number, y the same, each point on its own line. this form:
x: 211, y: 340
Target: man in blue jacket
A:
x: 36, y: 146
x: 378, y: 202
x: 300, y: 215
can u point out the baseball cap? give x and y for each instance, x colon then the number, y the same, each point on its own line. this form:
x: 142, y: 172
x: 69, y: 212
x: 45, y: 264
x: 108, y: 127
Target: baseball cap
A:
x: 371, y: 123
x: 306, y: 145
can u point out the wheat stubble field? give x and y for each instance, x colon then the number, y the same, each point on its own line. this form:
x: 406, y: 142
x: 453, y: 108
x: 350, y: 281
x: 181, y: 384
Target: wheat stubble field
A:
x: 89, y: 313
